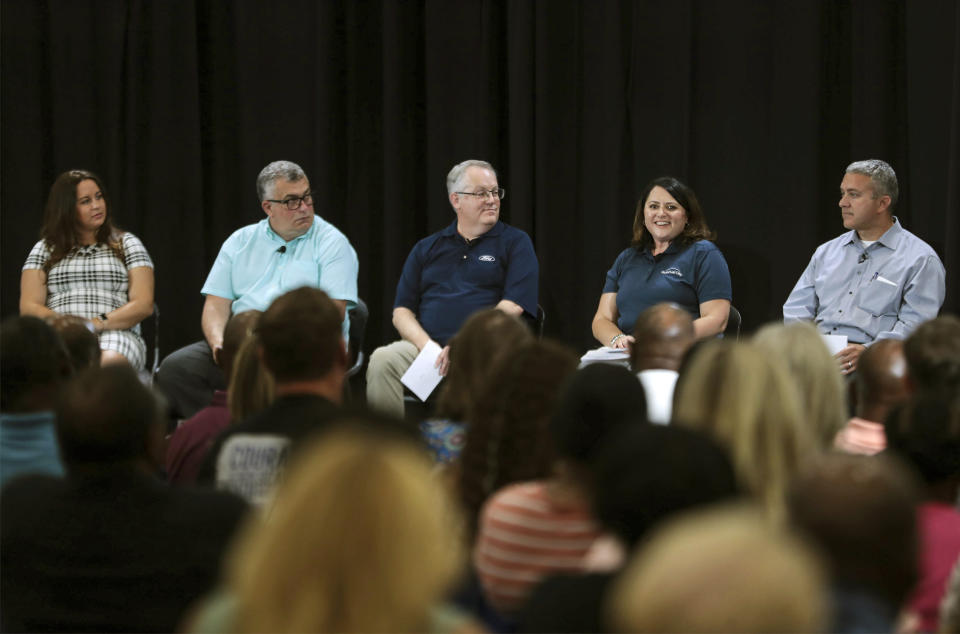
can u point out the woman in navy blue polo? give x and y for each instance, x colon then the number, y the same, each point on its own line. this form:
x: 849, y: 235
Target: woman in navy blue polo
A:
x: 670, y: 259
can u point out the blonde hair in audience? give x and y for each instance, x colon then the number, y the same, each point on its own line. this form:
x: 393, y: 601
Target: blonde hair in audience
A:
x: 251, y: 384
x: 723, y: 569
x: 815, y: 373
x: 361, y: 538
x: 744, y: 397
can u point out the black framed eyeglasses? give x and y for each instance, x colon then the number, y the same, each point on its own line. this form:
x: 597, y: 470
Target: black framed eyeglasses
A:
x: 293, y: 203
x: 499, y: 192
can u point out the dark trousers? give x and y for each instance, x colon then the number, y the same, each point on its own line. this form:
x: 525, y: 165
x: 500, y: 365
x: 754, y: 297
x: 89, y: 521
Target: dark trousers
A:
x: 188, y: 377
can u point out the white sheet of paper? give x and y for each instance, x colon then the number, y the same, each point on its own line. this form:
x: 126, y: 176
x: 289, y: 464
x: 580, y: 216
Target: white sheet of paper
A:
x: 421, y: 377
x: 835, y: 343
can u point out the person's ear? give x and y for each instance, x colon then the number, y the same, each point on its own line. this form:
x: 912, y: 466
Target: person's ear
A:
x: 885, y: 203
x: 265, y: 205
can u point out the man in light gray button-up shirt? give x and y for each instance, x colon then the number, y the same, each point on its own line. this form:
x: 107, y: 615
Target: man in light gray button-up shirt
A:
x: 877, y: 281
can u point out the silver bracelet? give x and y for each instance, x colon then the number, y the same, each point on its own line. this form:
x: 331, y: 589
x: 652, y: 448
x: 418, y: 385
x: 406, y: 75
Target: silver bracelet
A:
x: 615, y: 338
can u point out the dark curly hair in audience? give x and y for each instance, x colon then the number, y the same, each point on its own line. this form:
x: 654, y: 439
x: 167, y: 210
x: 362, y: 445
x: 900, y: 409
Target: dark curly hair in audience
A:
x: 696, y: 228
x: 476, y: 351
x: 507, y: 439
x: 933, y: 354
x: 596, y: 400
x: 644, y: 474
x: 60, y: 218
x: 300, y: 334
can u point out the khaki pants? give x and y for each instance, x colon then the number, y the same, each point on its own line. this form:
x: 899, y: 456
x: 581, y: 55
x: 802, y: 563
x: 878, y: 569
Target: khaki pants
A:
x: 387, y: 365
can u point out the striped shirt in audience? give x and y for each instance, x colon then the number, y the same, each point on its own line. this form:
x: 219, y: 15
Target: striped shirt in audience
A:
x: 525, y: 536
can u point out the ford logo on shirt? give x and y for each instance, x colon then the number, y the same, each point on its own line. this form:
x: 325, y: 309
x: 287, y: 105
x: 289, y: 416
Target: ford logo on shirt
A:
x: 487, y: 258
x: 672, y: 271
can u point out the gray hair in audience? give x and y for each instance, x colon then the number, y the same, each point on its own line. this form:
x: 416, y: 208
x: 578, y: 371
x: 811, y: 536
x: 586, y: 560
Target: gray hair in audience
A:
x: 455, y: 177
x: 278, y: 169
x: 882, y: 176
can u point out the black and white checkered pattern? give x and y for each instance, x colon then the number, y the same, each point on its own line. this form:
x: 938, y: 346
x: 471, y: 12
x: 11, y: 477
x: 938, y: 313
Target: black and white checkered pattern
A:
x: 91, y: 280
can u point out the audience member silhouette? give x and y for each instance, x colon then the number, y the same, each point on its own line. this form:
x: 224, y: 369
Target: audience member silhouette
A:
x: 933, y: 355
x: 721, y: 570
x: 881, y: 383
x: 193, y: 438
x: 82, y: 345
x: 302, y: 347
x: 859, y: 510
x: 33, y: 365
x: 109, y: 547
x: 925, y: 433
x: 814, y: 373
x: 508, y: 438
x: 361, y: 538
x: 530, y: 530
x: 487, y: 340
x: 643, y: 475
x: 744, y: 397
x: 662, y: 335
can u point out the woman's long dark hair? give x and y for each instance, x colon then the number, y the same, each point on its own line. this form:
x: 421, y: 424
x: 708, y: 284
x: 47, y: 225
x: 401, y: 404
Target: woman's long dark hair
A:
x: 507, y: 435
x: 60, y: 218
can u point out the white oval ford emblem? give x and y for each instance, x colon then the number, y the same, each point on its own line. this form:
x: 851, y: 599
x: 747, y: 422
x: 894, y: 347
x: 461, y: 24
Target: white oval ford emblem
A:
x: 487, y: 258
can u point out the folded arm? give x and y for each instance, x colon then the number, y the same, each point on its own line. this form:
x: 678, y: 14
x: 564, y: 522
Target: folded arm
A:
x: 139, y: 306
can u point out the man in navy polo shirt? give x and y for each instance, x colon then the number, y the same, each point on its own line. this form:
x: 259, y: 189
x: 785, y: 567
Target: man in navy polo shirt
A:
x: 477, y: 262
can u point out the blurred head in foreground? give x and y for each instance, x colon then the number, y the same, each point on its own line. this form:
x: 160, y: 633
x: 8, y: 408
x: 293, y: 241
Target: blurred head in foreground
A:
x: 720, y: 570
x: 361, y: 539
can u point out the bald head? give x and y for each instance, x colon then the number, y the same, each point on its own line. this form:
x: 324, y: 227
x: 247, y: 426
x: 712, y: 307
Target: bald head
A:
x: 881, y: 379
x: 663, y: 334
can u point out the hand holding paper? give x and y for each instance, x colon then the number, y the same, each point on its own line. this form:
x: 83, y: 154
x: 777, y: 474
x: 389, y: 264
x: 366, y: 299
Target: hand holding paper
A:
x: 422, y: 377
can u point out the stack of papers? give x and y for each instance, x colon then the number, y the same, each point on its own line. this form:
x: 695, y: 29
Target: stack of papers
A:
x: 619, y: 356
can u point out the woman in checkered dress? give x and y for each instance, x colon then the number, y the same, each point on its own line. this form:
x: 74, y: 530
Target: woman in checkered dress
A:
x: 84, y: 266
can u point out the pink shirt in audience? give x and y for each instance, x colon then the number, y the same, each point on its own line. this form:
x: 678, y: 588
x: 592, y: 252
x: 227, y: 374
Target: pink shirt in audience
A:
x: 191, y: 440
x: 939, y: 527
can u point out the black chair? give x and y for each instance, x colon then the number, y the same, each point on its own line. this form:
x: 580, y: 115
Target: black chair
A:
x: 150, y: 331
x: 733, y: 324
x: 359, y: 315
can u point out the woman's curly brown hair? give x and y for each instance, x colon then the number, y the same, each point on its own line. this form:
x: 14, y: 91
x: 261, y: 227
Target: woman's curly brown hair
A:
x: 507, y: 437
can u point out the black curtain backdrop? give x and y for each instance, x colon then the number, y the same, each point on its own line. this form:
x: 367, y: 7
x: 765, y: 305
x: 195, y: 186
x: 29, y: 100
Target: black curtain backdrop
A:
x: 758, y: 104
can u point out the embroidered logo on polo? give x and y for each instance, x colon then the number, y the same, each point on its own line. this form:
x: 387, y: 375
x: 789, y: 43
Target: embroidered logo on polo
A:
x: 487, y: 258
x: 672, y: 271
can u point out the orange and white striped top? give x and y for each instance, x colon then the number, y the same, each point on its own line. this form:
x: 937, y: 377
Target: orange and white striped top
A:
x: 524, y: 537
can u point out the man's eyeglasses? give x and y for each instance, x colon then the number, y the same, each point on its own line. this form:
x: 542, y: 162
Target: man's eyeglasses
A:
x: 499, y: 192
x: 293, y: 203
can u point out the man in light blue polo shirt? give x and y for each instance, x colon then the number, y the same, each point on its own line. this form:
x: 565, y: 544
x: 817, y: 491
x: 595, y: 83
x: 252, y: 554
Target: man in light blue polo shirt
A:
x: 877, y: 281
x: 290, y: 248
x: 476, y: 262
